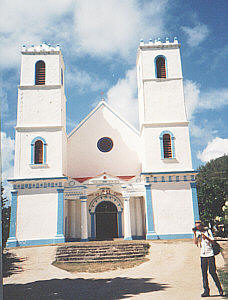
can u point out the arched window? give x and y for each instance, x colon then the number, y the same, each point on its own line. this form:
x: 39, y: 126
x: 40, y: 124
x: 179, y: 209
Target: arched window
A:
x: 160, y: 66
x: 167, y: 144
x: 38, y: 153
x: 40, y: 73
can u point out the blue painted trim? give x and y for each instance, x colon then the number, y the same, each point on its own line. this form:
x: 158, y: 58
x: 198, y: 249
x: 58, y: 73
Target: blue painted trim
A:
x: 175, y: 236
x: 60, y: 215
x: 138, y: 237
x: 93, y: 234
x: 44, y: 178
x: 155, y: 65
x: 149, y: 211
x: 120, y: 234
x: 151, y: 236
x: 93, y: 112
x: 83, y: 197
x: 195, y: 201
x: 84, y: 240
x: 172, y: 143
x: 12, y: 241
x: 44, y: 149
x: 174, y: 172
x: 128, y: 238
x: 38, y: 242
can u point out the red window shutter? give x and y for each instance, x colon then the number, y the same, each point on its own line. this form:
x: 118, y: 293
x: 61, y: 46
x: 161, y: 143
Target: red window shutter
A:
x: 167, y: 146
x: 40, y: 73
x: 38, y: 152
x: 160, y: 64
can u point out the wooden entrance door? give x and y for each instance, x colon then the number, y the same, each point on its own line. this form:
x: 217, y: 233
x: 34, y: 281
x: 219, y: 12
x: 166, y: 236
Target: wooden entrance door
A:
x: 106, y: 221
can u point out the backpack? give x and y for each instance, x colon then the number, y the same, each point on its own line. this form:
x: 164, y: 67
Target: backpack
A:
x: 215, y: 246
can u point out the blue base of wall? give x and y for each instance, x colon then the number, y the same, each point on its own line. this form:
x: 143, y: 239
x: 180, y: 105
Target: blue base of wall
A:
x: 84, y: 240
x: 38, y: 242
x: 175, y: 236
x: 11, y: 242
x: 128, y: 238
x: 151, y: 236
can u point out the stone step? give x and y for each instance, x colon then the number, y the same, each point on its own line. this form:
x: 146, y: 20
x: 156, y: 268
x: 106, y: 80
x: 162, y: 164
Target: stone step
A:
x: 103, y: 255
x: 75, y: 252
x: 102, y: 252
x: 102, y: 261
x: 112, y: 258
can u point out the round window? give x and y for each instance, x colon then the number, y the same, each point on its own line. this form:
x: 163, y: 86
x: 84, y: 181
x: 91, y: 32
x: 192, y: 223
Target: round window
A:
x: 105, y: 144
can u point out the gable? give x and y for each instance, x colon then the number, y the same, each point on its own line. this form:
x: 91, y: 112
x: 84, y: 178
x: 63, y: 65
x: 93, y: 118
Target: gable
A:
x: 84, y: 157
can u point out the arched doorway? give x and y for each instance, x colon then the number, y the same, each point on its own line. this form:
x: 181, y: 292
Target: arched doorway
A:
x: 106, y: 220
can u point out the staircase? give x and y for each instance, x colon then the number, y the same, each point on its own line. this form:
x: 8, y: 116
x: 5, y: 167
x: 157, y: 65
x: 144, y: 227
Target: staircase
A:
x: 102, y: 252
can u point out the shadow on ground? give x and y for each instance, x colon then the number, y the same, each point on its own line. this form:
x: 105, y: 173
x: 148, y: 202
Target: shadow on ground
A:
x: 82, y: 289
x: 11, y: 264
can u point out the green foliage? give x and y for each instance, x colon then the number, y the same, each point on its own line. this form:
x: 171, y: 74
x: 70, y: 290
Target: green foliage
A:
x: 5, y: 218
x: 212, y: 189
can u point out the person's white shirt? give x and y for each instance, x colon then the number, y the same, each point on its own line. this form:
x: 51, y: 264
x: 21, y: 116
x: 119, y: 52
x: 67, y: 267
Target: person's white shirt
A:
x: 206, y: 246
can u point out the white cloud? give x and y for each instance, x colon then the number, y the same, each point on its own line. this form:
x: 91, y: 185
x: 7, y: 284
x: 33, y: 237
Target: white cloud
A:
x: 84, y: 80
x: 197, y: 100
x: 195, y: 35
x: 7, y: 159
x: 191, y: 94
x: 214, y: 149
x: 28, y: 22
x: 115, y: 27
x: 123, y: 98
x: 101, y: 27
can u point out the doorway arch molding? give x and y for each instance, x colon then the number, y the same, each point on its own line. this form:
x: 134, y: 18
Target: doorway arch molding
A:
x: 105, y: 197
x: 92, y: 209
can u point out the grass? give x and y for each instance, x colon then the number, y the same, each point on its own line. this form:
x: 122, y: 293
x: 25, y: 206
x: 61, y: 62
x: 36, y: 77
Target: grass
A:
x: 98, y: 267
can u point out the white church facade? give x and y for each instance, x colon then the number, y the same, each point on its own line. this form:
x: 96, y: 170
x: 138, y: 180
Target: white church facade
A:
x: 105, y: 179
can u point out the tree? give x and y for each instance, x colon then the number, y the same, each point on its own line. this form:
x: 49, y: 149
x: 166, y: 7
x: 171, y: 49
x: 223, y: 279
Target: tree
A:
x: 212, y: 189
x: 5, y: 218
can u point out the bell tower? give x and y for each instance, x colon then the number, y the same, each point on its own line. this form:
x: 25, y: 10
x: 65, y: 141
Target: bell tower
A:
x: 40, y: 139
x: 162, y: 116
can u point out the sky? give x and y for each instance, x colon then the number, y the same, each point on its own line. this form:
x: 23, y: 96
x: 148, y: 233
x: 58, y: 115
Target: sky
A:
x: 99, y: 41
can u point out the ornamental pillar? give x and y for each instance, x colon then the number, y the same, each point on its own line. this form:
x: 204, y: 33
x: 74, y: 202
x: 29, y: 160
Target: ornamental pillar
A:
x: 150, y: 231
x: 127, y: 218
x: 12, y: 241
x: 84, y: 223
x: 59, y: 238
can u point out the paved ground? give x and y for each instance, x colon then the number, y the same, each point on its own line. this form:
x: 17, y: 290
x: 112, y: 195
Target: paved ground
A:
x: 173, y: 272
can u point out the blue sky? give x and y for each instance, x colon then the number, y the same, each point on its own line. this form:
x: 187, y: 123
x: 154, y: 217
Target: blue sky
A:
x: 99, y: 41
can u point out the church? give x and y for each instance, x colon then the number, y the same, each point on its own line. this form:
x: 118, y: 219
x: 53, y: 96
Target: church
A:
x: 105, y: 179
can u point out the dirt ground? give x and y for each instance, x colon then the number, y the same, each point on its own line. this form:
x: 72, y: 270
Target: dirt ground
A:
x: 172, y: 272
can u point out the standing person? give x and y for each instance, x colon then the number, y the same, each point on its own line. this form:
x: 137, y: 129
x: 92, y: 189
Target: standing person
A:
x: 205, y: 238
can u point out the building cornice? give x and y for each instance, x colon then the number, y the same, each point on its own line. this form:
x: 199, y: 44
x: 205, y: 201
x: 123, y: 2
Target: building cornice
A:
x: 39, y: 87
x: 161, y: 79
x: 35, y: 128
x: 165, y: 124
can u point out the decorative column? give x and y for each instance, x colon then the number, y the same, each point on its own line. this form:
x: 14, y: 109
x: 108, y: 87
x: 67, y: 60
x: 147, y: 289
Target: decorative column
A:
x: 138, y: 211
x: 150, y: 232
x: 195, y: 202
x: 120, y: 224
x: 84, y: 223
x: 12, y: 241
x: 59, y: 238
x: 93, y: 235
x: 127, y: 218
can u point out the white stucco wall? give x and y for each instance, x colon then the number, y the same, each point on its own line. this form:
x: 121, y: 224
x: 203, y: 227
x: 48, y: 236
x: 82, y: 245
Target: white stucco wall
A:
x: 151, y: 159
x: 53, y: 65
x: 54, y: 162
x: 85, y: 159
x: 37, y: 215
x: 173, y: 208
